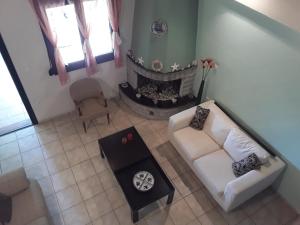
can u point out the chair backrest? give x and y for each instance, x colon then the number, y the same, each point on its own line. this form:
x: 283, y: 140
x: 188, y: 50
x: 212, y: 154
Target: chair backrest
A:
x: 85, y: 88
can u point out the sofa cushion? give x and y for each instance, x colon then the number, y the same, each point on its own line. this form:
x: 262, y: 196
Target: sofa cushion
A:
x: 32, y: 197
x: 239, y: 146
x: 251, y: 162
x: 194, y: 143
x: 215, y: 170
x: 217, y: 124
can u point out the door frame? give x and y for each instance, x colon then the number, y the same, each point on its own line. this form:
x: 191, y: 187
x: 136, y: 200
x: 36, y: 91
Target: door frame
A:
x: 14, y: 75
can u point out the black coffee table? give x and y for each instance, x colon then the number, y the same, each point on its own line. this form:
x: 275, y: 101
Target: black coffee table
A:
x: 127, y: 159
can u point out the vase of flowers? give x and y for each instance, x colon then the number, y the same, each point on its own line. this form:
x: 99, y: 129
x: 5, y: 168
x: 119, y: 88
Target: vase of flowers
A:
x: 207, y: 65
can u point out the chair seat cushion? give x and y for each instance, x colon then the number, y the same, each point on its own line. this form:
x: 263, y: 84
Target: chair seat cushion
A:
x: 28, y: 206
x: 215, y: 170
x: 92, y: 107
x: 194, y: 143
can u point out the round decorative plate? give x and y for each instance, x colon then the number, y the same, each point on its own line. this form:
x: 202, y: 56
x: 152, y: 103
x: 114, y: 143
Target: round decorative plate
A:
x: 143, y: 181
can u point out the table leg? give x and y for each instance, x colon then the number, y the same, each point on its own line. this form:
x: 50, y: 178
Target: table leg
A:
x: 135, y: 215
x: 170, y: 198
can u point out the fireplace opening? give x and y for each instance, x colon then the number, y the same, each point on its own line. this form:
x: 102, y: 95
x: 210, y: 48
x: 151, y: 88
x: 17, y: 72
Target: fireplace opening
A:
x: 158, y: 90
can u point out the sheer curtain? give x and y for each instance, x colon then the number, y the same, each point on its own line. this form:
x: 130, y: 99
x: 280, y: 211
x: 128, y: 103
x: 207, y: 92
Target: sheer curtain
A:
x: 39, y: 7
x: 91, y: 65
x: 114, y: 12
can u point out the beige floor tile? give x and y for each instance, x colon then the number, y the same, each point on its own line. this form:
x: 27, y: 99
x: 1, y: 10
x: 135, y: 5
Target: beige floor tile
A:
x: 92, y: 149
x: 57, y: 163
x: 62, y: 119
x: 47, y: 125
x: 37, y: 171
x: 252, y: 205
x: 246, y: 221
x: 8, y: 138
x: 98, y: 206
x: 263, y: 215
x: 107, y: 219
x: 71, y: 142
x: 52, y: 148
x: 99, y: 164
x: 107, y: 180
x: 25, y: 132
x: 28, y: 143
x: 115, y: 197
x: 57, y: 219
x: 195, y: 222
x: 91, y: 135
x: 11, y: 163
x: 281, y: 210
x: 168, y: 151
x: 9, y: 150
x: 186, y: 185
x: 212, y: 217
x: 158, y: 156
x: 47, y: 136
x: 124, y: 215
x: 68, y: 197
x: 105, y: 129
x: 198, y: 202
x: 32, y: 157
x: 46, y: 185
x: 90, y: 187
x: 161, y: 217
x: 233, y: 217
x: 66, y: 130
x: 268, y: 195
x: 76, y: 215
x: 179, y: 165
x: 83, y: 170
x: 52, y: 204
x: 181, y: 213
x: 76, y: 156
x: 63, y: 179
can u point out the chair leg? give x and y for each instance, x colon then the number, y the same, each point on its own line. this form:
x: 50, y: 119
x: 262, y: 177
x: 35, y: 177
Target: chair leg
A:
x: 84, y: 126
x: 108, y: 119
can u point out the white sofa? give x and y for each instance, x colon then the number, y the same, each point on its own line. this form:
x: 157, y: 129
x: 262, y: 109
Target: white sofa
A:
x: 211, y: 159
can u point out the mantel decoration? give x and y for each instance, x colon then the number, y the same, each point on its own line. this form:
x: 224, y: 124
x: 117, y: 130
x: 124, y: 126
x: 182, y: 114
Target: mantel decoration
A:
x: 207, y: 65
x: 157, y: 65
x: 159, y: 28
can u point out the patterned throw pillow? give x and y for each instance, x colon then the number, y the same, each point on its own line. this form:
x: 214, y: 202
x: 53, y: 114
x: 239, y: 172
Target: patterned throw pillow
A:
x: 251, y: 162
x: 199, y: 118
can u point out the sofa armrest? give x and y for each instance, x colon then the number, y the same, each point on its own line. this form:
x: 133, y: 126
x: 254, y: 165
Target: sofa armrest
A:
x: 251, y: 183
x: 181, y: 120
x: 14, y: 182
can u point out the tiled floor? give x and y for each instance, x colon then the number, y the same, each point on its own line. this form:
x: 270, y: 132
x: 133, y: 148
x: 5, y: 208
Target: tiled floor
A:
x: 80, y: 189
x: 12, y: 110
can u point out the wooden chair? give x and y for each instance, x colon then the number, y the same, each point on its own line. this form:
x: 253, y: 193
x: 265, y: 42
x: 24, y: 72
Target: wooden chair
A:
x: 89, y: 100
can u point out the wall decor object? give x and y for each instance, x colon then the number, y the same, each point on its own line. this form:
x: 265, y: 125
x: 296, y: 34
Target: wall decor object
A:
x: 140, y: 61
x: 207, y: 65
x: 175, y: 67
x: 159, y: 28
x: 157, y: 65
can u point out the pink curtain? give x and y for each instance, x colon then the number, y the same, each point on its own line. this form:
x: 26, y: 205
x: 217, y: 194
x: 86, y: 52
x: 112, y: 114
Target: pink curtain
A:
x: 114, y: 12
x: 39, y: 7
x: 91, y: 65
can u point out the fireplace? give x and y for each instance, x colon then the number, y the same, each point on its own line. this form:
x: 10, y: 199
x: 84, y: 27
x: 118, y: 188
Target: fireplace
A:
x: 157, y: 95
x: 158, y: 90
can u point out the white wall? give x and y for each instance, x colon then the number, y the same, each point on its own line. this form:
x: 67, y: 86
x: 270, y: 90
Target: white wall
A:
x: 283, y: 11
x: 24, y: 41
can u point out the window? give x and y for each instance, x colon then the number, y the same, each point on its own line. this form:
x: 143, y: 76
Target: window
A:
x: 63, y: 23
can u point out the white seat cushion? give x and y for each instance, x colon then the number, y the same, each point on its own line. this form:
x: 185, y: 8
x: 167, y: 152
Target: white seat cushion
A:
x: 215, y: 171
x: 217, y: 124
x: 194, y: 143
x: 239, y: 146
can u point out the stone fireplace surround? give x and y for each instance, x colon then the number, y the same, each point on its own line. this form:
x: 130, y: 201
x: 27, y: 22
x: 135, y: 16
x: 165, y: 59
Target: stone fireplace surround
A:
x: 163, y: 109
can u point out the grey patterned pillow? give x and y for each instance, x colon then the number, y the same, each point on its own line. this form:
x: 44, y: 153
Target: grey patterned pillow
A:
x: 251, y: 162
x: 199, y: 118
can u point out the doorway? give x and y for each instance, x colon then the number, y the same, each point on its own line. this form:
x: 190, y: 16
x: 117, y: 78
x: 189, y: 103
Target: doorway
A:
x: 15, y: 109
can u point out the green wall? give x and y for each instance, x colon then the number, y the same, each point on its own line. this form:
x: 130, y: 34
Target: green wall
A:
x: 179, y: 44
x: 258, y: 78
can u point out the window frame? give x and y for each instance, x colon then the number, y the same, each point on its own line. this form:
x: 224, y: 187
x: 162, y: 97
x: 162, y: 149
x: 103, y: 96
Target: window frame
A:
x: 74, y: 65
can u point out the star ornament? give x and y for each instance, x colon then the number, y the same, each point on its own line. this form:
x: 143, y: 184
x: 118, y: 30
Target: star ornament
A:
x: 141, y: 61
x: 175, y: 67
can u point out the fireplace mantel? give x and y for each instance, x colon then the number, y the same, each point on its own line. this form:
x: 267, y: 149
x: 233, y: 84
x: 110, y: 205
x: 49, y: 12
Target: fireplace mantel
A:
x: 186, y: 76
